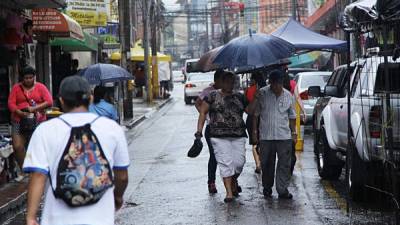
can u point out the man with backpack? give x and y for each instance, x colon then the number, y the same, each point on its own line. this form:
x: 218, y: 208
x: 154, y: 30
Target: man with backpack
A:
x: 85, y: 158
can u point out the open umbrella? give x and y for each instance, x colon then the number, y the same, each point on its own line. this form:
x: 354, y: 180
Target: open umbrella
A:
x: 205, y: 63
x: 253, y: 51
x: 101, y: 73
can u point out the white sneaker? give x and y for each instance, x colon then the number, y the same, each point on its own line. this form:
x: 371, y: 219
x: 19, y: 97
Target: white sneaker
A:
x: 19, y: 178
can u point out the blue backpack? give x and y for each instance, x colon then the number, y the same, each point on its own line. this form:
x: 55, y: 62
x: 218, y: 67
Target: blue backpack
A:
x: 84, y: 173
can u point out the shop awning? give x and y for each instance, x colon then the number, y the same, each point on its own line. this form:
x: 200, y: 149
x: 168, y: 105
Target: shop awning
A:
x: 33, y: 4
x: 55, y: 24
x: 367, y: 11
x: 307, y: 40
x: 89, y: 43
x: 137, y: 54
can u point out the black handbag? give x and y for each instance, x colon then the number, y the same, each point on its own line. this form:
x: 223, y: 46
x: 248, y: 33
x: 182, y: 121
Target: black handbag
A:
x: 28, y: 124
x: 196, y: 148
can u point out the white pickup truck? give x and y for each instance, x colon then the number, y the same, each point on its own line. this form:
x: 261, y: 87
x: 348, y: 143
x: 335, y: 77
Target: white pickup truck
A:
x: 370, y: 123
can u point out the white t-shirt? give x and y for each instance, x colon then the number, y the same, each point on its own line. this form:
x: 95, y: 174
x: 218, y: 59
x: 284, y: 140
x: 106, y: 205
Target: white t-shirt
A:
x: 45, y: 150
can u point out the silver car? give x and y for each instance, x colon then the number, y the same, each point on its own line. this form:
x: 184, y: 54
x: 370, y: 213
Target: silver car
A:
x: 195, y: 84
x: 305, y: 80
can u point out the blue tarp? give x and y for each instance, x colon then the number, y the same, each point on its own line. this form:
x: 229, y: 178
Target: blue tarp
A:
x: 307, y: 40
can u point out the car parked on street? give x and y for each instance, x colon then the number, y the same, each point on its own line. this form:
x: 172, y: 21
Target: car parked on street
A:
x: 195, y: 84
x: 367, y: 150
x: 303, y: 81
x: 178, y: 76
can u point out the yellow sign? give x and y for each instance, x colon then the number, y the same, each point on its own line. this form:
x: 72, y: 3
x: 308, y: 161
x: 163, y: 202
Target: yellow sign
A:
x: 88, y: 13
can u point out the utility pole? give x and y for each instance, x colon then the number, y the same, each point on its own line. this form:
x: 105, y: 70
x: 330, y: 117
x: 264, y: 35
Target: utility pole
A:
x: 154, y: 61
x: 149, y: 93
x: 207, y: 37
x: 189, y: 29
x: 124, y: 24
x: 294, y: 9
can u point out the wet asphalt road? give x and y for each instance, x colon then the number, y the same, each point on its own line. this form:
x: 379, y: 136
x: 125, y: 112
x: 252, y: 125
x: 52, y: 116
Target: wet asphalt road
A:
x: 166, y: 187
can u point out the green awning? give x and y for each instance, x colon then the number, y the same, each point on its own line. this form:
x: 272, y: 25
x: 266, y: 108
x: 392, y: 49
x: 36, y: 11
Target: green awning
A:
x: 89, y: 43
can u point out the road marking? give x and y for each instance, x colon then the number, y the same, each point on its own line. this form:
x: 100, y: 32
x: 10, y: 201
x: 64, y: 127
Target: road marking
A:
x: 340, y: 202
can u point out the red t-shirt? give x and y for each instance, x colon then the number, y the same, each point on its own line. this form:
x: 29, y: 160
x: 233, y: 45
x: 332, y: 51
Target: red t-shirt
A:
x: 39, y: 94
x: 250, y: 92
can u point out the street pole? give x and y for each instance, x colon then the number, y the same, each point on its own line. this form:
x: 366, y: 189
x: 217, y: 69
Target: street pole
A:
x: 294, y: 9
x: 207, y: 37
x: 124, y: 24
x: 149, y: 93
x: 154, y: 61
x: 189, y: 29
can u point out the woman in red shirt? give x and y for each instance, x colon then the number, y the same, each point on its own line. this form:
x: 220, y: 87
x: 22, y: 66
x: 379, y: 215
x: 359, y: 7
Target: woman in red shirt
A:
x: 27, y: 99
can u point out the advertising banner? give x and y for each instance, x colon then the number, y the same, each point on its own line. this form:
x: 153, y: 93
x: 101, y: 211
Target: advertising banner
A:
x: 89, y: 13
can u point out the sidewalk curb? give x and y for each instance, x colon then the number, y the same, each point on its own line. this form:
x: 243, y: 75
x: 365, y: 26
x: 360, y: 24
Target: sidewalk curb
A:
x: 16, y: 204
x: 139, y: 120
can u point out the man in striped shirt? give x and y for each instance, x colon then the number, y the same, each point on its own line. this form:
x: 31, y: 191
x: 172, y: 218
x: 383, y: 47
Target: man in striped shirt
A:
x: 275, y: 107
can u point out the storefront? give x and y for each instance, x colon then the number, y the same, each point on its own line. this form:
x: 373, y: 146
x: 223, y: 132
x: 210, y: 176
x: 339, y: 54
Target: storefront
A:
x: 64, y: 51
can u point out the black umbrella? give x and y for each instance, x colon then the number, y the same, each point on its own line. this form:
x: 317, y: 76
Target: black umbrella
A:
x: 253, y: 51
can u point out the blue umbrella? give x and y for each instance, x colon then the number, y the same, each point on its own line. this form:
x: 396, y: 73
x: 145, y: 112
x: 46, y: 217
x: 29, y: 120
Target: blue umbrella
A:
x: 103, y: 73
x: 253, y: 51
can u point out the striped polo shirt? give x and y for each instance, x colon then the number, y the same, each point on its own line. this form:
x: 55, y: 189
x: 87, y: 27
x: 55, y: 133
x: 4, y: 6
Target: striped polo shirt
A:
x: 275, y: 112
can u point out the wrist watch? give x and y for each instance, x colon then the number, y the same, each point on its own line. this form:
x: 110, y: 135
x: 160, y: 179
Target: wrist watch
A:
x: 294, y: 133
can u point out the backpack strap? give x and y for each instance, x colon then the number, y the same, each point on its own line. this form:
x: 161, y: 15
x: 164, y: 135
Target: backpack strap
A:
x: 95, y: 120
x: 68, y: 124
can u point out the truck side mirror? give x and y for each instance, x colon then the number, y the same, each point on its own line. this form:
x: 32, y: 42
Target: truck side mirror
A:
x: 332, y: 91
x: 315, y: 91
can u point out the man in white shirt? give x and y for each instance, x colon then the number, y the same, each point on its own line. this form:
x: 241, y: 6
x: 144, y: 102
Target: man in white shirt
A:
x: 46, y: 148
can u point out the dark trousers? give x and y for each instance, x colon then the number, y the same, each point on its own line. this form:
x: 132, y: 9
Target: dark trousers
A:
x: 268, y: 152
x: 212, y: 162
x: 294, y: 159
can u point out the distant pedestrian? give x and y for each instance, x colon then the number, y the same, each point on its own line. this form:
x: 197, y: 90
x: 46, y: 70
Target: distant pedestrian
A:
x: 27, y: 103
x: 227, y: 131
x: 91, y: 150
x: 275, y: 107
x: 212, y: 162
x: 74, y: 67
x: 102, y: 104
x: 257, y: 81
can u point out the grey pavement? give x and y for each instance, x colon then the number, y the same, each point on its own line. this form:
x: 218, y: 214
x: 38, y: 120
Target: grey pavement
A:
x: 167, y: 187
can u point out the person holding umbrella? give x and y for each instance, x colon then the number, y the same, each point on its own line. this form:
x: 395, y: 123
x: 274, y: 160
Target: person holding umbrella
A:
x: 102, y: 104
x: 227, y: 131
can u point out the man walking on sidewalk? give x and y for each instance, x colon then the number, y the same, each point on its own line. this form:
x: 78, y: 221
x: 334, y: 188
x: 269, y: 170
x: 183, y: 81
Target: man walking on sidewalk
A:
x: 212, y: 162
x: 52, y: 139
x: 274, y: 106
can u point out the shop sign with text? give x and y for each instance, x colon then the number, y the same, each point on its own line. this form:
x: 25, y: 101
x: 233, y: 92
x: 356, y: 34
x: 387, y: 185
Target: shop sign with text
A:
x: 89, y: 13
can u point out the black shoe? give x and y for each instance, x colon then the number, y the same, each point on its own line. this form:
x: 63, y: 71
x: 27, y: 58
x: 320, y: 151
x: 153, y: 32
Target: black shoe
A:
x: 228, y: 200
x: 267, y: 193
x: 212, y: 189
x: 286, y: 196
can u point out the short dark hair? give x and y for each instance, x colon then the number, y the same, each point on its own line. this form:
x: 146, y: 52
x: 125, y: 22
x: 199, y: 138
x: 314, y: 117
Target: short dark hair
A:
x: 259, y: 78
x: 218, y: 74
x: 228, y: 75
x: 99, y: 93
x: 276, y: 76
x: 70, y: 104
x: 28, y: 70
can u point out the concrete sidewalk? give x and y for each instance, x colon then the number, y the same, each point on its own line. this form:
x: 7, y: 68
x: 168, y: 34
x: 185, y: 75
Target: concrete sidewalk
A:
x: 13, y: 195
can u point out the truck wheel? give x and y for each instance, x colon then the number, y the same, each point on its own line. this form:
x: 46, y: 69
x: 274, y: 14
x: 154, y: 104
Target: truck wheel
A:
x: 329, y: 166
x: 188, y: 100
x: 357, y: 175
